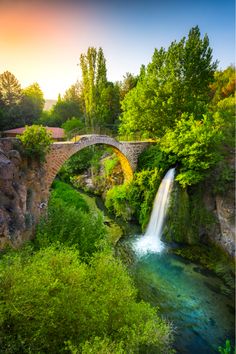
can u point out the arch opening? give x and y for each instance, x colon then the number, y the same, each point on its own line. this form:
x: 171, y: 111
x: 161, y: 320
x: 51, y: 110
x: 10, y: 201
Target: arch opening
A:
x: 61, y: 152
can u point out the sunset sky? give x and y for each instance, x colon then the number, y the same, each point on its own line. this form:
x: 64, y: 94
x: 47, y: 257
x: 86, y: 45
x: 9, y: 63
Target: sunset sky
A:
x: 41, y: 41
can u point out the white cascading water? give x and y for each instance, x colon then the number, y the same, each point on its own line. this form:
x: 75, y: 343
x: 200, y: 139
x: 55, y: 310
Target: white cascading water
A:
x: 151, y: 241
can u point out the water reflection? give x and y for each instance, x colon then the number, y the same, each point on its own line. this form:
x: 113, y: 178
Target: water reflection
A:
x: 188, y: 296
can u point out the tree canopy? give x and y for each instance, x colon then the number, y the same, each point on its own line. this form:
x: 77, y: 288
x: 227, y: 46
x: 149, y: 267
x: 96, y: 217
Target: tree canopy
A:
x: 100, y: 97
x: 32, y: 103
x: 19, y: 106
x: 175, y: 82
x: 52, y: 301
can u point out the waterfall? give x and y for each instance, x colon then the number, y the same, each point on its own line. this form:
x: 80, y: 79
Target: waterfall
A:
x: 151, y: 241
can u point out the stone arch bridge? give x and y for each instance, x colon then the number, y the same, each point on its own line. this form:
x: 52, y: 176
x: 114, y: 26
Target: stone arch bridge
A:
x: 60, y: 152
x: 25, y: 184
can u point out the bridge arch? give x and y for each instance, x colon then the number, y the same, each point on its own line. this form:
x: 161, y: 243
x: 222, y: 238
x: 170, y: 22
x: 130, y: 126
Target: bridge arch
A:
x: 60, y: 152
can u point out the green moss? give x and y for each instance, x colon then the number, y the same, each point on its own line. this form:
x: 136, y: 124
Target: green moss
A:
x: 178, y: 228
x: 188, y: 220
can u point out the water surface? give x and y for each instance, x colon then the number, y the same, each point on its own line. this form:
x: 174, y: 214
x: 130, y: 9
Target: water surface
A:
x: 190, y: 298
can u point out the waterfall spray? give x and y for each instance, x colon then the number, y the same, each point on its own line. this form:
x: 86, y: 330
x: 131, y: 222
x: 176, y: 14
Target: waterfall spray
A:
x: 151, y: 241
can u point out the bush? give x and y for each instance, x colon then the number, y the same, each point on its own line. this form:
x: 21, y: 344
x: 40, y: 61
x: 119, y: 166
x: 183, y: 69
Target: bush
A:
x: 154, y: 157
x: 53, y: 299
x: 69, y: 222
x: 135, y: 198
x: 36, y: 141
x: 110, y: 164
x: 194, y: 145
x: 142, y: 193
x: 72, y: 124
x: 117, y: 201
x: 68, y: 195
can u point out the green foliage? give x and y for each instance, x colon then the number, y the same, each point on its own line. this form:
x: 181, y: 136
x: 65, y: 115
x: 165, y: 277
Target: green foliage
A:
x: 117, y: 201
x: 224, y: 115
x: 36, y: 141
x: 194, y: 145
x: 51, y: 302
x: 71, y: 124
x: 223, y: 103
x: 128, y: 83
x: 178, y: 226
x: 66, y: 108
x: 100, y: 97
x: 68, y: 195
x: 32, y: 104
x: 88, y: 158
x: 222, y: 178
x: 142, y: 193
x: 110, y: 164
x: 227, y: 349
x: 98, y: 345
x: 69, y: 222
x: 188, y: 220
x: 77, y: 164
x: 136, y: 197
x: 175, y: 82
x: 11, y: 92
x: 10, y: 101
x: 154, y: 157
x: 19, y: 107
x: 223, y: 85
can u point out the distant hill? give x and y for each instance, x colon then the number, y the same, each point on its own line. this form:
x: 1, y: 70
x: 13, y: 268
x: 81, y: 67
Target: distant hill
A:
x: 48, y: 104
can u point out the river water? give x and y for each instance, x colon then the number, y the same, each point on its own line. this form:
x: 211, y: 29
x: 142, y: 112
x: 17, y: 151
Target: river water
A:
x: 187, y: 295
x: 190, y: 298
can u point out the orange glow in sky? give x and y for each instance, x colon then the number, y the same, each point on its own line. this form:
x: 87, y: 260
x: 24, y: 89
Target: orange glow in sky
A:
x: 42, y: 43
x: 42, y: 40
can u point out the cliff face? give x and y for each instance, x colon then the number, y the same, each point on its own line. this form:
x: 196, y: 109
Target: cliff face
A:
x: 22, y: 195
x: 225, y: 210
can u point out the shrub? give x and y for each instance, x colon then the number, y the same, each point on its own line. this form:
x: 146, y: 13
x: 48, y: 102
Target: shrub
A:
x: 70, y: 225
x: 36, y: 141
x: 136, y: 197
x: 53, y: 298
x: 68, y: 195
x: 109, y: 164
x: 117, y: 201
x: 72, y: 124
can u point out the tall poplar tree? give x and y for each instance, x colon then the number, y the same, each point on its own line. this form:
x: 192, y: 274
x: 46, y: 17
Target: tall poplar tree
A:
x: 88, y: 67
x: 100, y: 97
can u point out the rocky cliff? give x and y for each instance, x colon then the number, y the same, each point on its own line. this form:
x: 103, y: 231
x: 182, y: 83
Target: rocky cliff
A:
x: 22, y: 195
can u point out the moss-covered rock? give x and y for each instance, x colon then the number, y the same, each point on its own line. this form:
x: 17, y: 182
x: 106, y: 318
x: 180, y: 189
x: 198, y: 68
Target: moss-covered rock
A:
x: 188, y: 220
